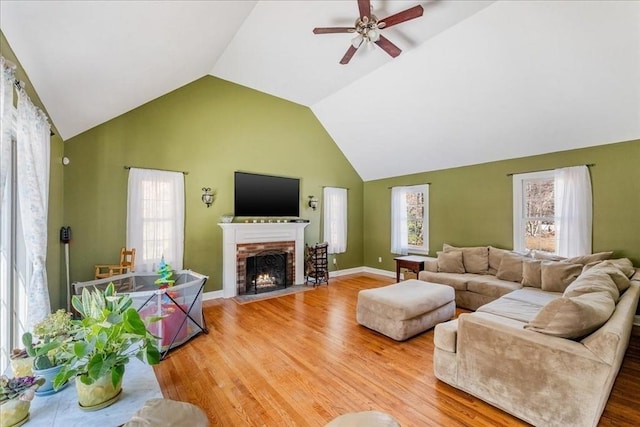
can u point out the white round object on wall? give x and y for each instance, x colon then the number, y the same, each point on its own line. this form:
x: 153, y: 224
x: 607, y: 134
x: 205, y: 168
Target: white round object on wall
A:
x: 65, y: 161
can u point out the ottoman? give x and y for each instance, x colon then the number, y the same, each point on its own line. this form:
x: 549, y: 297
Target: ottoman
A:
x: 405, y: 309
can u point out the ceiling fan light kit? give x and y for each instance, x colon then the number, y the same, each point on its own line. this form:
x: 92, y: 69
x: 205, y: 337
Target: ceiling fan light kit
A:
x: 368, y: 27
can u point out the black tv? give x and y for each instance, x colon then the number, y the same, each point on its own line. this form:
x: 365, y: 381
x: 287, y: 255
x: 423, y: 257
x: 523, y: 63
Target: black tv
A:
x: 266, y: 196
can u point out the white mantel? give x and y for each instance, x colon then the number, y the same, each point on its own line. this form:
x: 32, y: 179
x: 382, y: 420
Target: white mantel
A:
x: 235, y: 233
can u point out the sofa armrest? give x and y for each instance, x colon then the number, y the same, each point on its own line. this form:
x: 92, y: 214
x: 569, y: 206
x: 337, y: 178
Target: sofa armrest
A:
x: 530, y: 374
x: 431, y: 264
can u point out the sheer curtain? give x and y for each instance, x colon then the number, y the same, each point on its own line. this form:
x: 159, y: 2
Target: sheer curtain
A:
x: 155, y: 218
x: 573, y: 204
x: 399, y: 231
x: 33, y: 152
x: 335, y: 219
x: 6, y: 118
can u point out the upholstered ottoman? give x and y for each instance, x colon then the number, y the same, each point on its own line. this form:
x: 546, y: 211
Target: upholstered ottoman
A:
x: 405, y: 309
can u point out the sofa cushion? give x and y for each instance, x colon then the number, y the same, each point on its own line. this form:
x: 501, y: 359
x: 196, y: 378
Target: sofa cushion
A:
x: 446, y: 337
x: 556, y: 275
x: 586, y: 259
x: 573, y: 317
x: 522, y: 311
x: 491, y: 286
x: 595, y: 281
x: 532, y: 272
x: 547, y: 256
x: 533, y: 296
x: 457, y: 281
x: 475, y: 259
x: 510, y: 267
x: 495, y: 258
x: 450, y: 262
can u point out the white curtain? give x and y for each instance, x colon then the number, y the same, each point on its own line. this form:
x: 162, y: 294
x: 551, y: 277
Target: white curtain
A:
x: 6, y: 117
x: 33, y: 152
x: 335, y: 219
x: 573, y: 205
x: 399, y: 231
x: 155, y: 218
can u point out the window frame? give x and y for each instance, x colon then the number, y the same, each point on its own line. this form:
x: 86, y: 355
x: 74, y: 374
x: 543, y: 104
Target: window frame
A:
x: 518, y: 205
x: 424, y: 248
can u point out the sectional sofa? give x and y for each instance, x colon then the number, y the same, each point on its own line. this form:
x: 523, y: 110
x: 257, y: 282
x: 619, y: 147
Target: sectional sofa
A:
x: 547, y: 338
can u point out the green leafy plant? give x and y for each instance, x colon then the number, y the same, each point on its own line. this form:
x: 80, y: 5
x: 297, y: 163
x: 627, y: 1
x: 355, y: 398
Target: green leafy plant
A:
x: 109, y: 333
x: 50, y: 333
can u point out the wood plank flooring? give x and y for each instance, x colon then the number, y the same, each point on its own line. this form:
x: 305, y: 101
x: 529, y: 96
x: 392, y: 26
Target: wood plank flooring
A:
x: 302, y: 360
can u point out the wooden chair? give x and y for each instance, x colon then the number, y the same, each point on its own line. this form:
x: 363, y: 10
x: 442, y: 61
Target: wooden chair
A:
x: 317, y: 264
x: 127, y: 264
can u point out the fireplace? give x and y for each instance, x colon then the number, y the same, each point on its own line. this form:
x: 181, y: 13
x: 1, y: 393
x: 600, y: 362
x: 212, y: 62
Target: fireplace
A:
x: 267, y: 271
x: 244, y: 240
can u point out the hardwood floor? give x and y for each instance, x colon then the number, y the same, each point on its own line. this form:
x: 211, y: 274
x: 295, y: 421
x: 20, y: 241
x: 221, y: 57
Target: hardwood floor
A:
x: 302, y: 360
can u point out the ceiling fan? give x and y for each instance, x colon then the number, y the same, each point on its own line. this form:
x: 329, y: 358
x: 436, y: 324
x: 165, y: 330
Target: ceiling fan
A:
x: 368, y: 27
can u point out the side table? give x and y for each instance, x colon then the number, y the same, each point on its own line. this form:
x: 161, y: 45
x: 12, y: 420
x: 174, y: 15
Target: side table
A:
x: 414, y: 263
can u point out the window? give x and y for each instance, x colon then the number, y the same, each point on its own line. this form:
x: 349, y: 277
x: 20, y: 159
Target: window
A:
x: 155, y: 218
x: 410, y: 219
x: 534, y: 215
x: 335, y: 219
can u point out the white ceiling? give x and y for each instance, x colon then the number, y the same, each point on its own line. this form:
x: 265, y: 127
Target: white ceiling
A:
x: 477, y: 80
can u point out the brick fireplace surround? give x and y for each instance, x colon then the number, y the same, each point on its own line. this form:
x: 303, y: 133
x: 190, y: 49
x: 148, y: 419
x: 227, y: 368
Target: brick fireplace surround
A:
x: 241, y: 240
x: 246, y: 250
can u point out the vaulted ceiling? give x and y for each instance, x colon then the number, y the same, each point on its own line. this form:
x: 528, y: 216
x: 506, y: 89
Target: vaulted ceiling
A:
x: 477, y: 81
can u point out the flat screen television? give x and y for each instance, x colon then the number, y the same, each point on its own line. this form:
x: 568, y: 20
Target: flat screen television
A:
x: 265, y: 195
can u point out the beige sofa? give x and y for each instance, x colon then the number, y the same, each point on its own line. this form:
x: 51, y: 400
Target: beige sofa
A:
x: 549, y: 355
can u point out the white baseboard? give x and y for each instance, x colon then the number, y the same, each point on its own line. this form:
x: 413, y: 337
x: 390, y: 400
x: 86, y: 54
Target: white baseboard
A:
x: 338, y: 273
x: 212, y: 295
x: 379, y: 272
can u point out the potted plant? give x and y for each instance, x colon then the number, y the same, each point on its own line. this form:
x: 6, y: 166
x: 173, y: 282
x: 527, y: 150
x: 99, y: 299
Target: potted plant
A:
x: 48, y: 350
x: 21, y: 363
x: 15, y: 399
x: 109, y: 333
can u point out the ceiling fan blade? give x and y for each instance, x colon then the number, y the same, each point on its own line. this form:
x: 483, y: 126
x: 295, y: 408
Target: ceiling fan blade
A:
x: 388, y: 47
x: 364, y: 6
x: 330, y: 30
x: 405, y: 15
x: 347, y: 56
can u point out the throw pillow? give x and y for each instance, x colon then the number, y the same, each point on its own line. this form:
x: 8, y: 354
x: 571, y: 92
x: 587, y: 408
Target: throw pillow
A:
x: 557, y: 275
x: 495, y: 258
x: 450, y: 262
x: 623, y: 264
x: 510, y: 268
x: 593, y: 281
x: 586, y: 259
x: 475, y: 259
x: 548, y: 256
x: 615, y: 273
x: 573, y: 317
x: 532, y: 272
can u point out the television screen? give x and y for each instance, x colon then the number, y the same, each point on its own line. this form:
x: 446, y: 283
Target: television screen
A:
x: 264, y: 195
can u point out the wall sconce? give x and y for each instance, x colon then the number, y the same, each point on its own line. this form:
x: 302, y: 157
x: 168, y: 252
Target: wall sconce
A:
x: 207, y: 196
x: 313, y: 202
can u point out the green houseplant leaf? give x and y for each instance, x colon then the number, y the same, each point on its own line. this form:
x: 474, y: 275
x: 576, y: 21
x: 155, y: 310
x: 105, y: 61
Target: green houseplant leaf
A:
x: 109, y: 333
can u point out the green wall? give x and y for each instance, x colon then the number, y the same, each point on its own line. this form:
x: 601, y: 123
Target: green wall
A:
x: 56, y: 276
x: 209, y: 128
x: 473, y: 205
